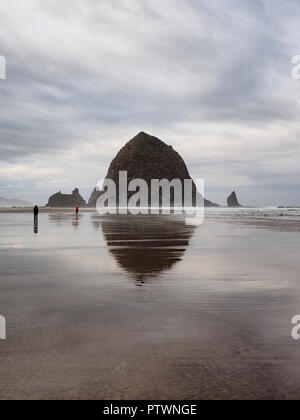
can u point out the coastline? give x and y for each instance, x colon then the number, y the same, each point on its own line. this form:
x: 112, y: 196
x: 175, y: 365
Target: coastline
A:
x: 45, y: 210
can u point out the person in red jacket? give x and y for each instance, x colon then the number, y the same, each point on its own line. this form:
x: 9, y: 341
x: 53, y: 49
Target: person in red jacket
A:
x: 77, y: 210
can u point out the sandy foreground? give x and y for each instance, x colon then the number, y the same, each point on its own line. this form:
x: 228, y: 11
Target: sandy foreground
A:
x: 147, y: 308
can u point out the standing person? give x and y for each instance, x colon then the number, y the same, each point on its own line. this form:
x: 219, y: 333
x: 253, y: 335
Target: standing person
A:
x: 36, y: 219
x: 36, y: 214
x: 77, y: 210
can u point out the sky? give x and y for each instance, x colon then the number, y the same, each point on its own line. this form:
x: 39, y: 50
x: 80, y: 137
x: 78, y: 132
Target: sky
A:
x: 211, y: 78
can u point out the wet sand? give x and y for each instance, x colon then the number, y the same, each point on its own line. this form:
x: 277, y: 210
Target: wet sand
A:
x: 149, y: 308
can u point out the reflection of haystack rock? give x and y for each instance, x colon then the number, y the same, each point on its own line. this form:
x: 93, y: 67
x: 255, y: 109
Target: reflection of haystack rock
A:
x: 146, y: 157
x: 145, y: 246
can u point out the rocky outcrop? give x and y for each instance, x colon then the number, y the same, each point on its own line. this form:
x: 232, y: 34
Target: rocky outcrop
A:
x: 66, y: 200
x: 146, y: 157
x: 232, y: 200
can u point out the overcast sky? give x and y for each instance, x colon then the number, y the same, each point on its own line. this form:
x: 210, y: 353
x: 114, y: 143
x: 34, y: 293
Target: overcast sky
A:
x: 212, y: 78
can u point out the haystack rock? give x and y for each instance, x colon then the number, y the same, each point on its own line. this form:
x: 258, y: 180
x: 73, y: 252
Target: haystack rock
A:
x: 66, y: 200
x: 146, y: 157
x: 232, y: 200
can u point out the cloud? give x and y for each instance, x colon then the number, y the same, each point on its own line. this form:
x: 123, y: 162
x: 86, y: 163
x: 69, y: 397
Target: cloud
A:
x: 211, y: 78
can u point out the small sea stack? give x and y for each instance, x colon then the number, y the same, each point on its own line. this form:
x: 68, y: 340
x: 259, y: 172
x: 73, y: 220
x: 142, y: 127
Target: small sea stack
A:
x: 232, y: 200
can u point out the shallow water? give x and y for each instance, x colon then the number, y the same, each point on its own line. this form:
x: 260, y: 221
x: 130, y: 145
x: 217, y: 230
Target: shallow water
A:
x: 149, y: 308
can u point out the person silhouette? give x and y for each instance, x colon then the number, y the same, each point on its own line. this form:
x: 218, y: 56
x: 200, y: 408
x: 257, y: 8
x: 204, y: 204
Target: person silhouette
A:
x: 77, y: 210
x: 36, y: 214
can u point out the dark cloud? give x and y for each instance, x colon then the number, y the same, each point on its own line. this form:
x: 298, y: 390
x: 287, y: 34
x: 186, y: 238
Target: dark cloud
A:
x: 212, y: 78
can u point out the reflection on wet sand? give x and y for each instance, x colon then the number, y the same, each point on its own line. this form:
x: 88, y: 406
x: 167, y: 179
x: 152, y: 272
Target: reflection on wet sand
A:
x: 36, y: 225
x: 75, y: 222
x: 217, y: 325
x: 146, y: 246
x: 61, y: 218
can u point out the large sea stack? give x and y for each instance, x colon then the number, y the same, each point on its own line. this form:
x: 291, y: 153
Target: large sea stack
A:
x: 146, y: 157
x: 66, y: 200
x: 232, y: 200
